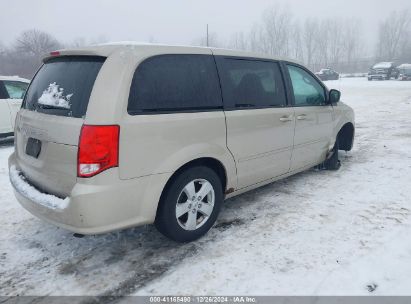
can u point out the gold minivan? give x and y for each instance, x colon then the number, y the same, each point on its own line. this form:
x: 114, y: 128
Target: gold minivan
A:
x: 120, y: 135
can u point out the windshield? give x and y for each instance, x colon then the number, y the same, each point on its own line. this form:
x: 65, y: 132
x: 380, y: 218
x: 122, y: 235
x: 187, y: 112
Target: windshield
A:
x: 63, y: 86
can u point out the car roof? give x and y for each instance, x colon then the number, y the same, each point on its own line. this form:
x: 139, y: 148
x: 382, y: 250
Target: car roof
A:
x: 107, y: 49
x: 14, y: 78
x: 405, y: 66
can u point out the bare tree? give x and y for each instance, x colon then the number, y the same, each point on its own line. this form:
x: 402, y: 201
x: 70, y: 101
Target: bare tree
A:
x: 253, y: 39
x: 297, y: 51
x: 36, y: 43
x: 352, y: 43
x: 239, y: 41
x: 309, y: 34
x: 335, y: 41
x: 393, y: 38
x: 322, y: 37
x: 275, y: 32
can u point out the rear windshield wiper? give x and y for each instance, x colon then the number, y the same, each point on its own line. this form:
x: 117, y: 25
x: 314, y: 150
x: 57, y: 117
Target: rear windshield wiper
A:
x: 50, y: 107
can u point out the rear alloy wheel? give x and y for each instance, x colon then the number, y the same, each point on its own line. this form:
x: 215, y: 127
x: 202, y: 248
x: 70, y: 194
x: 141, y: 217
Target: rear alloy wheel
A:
x: 190, y: 205
x: 195, y: 204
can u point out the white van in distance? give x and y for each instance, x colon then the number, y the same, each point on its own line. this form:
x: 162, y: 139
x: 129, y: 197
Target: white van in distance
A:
x: 12, y: 90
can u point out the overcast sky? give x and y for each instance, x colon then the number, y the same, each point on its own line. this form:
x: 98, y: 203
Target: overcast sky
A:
x: 171, y: 21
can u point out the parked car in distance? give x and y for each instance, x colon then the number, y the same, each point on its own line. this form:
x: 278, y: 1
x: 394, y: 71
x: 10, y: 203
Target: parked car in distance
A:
x: 383, y: 71
x: 404, y: 71
x: 12, y: 90
x: 120, y: 135
x: 328, y: 74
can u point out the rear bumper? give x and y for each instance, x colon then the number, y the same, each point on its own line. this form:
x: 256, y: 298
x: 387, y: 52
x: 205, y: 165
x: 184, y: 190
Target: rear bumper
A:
x: 102, y: 204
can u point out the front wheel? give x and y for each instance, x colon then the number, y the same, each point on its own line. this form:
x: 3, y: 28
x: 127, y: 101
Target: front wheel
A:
x: 190, y: 204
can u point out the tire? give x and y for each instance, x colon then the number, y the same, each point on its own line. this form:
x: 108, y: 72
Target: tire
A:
x: 333, y: 163
x: 196, y: 215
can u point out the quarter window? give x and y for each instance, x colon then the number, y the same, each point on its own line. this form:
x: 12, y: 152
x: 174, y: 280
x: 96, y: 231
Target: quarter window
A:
x: 251, y: 83
x: 175, y: 83
x: 307, y: 90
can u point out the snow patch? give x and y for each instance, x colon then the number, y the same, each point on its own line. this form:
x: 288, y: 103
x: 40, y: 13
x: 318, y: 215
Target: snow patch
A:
x: 28, y: 191
x: 54, y: 96
x: 383, y: 65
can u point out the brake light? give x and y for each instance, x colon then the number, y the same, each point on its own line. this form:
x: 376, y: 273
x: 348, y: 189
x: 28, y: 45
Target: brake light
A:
x: 98, y: 149
x: 55, y: 53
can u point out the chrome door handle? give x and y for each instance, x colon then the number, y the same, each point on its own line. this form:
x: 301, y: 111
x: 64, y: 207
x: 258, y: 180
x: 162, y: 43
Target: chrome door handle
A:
x: 302, y: 117
x: 286, y: 118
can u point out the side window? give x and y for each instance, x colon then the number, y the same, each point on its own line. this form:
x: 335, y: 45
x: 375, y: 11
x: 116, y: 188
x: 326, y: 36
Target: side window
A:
x: 307, y: 90
x: 175, y: 83
x: 15, y: 89
x: 251, y: 83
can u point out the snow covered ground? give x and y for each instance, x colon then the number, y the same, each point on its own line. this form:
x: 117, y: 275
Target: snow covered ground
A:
x: 316, y: 233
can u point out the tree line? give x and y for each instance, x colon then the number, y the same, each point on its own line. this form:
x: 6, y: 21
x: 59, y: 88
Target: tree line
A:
x: 337, y: 43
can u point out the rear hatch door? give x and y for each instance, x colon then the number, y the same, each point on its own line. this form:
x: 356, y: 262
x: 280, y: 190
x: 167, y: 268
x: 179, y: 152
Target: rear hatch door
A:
x: 49, y: 124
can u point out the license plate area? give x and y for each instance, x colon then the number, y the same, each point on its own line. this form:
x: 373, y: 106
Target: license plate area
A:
x: 33, y: 147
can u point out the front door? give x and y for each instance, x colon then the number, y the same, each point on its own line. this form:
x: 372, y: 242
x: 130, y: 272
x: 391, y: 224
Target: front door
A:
x: 314, y: 119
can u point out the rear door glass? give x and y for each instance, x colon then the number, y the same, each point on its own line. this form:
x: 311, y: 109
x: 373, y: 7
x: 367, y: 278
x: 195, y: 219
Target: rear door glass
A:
x: 63, y: 86
x: 251, y: 83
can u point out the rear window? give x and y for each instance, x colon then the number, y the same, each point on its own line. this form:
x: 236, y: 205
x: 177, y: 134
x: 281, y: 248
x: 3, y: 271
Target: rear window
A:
x: 63, y: 86
x: 172, y: 83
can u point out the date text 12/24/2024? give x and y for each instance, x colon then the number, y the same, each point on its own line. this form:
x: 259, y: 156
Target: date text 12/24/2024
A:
x: 202, y: 299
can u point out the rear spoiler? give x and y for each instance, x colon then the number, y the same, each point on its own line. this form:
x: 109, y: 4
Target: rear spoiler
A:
x: 78, y: 52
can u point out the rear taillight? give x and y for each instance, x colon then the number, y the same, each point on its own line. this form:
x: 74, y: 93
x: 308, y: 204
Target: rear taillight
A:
x: 98, y: 149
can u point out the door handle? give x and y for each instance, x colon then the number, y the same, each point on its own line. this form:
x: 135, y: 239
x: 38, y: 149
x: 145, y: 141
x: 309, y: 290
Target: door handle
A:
x: 302, y: 117
x: 286, y: 118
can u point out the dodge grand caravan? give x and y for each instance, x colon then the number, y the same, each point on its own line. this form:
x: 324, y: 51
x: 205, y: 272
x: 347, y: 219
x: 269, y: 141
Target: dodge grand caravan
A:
x: 120, y: 135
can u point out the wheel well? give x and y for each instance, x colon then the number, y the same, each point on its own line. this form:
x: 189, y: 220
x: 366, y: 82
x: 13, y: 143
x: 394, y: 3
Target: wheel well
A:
x: 209, y: 162
x: 346, y: 137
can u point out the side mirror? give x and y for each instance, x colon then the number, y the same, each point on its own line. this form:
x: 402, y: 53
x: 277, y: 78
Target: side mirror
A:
x: 334, y: 96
